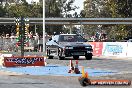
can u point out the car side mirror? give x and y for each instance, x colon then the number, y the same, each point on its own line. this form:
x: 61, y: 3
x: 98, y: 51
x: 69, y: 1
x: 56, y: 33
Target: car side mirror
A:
x: 55, y: 41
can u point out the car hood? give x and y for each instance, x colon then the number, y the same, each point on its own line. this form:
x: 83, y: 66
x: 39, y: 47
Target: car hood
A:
x: 49, y: 43
x: 63, y: 44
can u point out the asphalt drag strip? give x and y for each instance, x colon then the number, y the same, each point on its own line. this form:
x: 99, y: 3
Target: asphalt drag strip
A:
x: 55, y: 70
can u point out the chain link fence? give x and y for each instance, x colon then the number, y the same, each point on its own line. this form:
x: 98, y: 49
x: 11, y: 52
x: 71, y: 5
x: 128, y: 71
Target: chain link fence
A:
x: 9, y: 45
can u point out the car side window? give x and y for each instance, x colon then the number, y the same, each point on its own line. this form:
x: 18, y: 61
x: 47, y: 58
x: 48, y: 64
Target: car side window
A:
x: 81, y: 39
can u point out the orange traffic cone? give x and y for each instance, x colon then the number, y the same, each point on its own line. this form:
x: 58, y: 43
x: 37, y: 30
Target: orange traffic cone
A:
x: 86, y: 75
x: 76, y: 70
x: 71, y: 70
x: 83, y: 73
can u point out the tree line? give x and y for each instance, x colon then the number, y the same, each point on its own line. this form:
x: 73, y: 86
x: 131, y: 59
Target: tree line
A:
x: 109, y: 9
x: 53, y: 8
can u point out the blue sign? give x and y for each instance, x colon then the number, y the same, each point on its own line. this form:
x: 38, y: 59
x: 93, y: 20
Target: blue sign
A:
x: 115, y: 49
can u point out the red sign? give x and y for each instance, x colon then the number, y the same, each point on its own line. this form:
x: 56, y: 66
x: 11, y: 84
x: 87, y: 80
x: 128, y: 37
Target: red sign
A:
x: 23, y: 61
x: 97, y: 48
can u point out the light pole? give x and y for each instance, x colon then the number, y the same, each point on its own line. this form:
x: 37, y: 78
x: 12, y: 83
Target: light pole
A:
x: 81, y: 27
x: 35, y: 28
x: 43, y: 25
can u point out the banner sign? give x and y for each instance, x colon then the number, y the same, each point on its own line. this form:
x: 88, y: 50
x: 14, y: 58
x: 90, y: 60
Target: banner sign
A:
x: 97, y: 48
x: 23, y: 61
x: 115, y: 49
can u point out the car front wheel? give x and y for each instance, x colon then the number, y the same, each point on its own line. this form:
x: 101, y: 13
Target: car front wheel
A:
x: 88, y: 57
x: 60, y: 57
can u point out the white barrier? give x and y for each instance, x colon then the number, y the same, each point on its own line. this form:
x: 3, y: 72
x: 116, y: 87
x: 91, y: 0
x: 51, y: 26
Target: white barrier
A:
x: 116, y: 49
x: 2, y: 58
x: 129, y: 49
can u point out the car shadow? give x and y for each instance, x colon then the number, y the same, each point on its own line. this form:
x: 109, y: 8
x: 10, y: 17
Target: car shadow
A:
x: 81, y: 58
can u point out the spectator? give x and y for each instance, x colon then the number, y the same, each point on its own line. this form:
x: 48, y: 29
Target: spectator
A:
x: 31, y: 44
x: 31, y: 35
x: 36, y: 42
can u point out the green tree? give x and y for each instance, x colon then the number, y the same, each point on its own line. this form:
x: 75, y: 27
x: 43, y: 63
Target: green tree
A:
x: 124, y: 8
x: 35, y: 10
x: 18, y: 11
x: 67, y: 7
x: 121, y: 8
x: 82, y: 14
x: 109, y: 8
x: 96, y: 8
x: 2, y: 12
x: 52, y: 9
x: 24, y: 2
x: 58, y: 8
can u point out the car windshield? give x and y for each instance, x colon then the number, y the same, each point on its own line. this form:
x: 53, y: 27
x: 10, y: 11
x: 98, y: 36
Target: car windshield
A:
x: 71, y: 38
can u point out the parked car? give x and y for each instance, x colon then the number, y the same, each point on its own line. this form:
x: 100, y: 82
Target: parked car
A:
x: 67, y: 45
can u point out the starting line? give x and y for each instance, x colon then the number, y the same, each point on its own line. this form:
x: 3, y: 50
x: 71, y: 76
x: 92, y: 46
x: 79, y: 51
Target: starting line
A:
x: 56, y: 70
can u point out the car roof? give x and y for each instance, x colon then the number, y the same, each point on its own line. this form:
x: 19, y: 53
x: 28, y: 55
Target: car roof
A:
x: 67, y: 34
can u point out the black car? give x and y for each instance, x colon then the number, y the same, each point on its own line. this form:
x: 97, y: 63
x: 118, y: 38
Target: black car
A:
x: 67, y: 45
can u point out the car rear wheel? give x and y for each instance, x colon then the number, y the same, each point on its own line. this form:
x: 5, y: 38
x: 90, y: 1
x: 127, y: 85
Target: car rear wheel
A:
x: 88, y: 57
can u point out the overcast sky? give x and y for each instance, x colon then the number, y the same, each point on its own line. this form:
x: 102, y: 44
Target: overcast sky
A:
x: 77, y: 3
x: 80, y: 4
